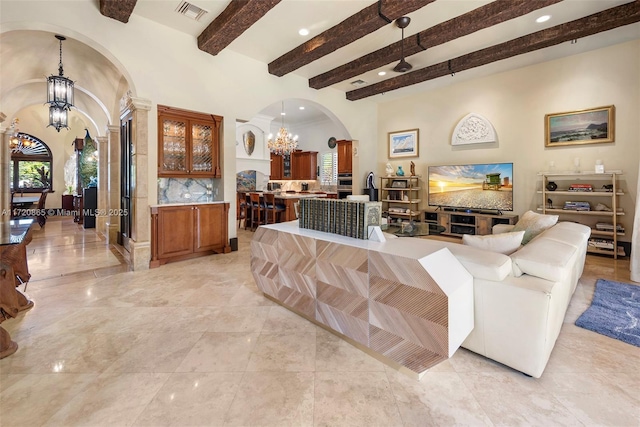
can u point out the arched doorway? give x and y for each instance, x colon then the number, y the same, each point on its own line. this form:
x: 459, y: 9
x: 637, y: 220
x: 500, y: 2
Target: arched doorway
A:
x: 101, y: 85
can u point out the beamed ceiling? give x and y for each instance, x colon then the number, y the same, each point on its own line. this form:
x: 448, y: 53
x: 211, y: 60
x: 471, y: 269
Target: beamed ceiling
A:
x: 353, y: 40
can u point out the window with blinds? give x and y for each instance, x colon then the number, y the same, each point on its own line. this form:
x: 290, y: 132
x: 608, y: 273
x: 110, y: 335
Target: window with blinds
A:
x: 329, y: 168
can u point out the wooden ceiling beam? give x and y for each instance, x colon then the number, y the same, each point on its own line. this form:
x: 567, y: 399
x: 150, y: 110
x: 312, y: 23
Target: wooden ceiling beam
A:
x: 119, y: 10
x: 609, y: 19
x: 368, y: 20
x: 483, y: 17
x: 238, y: 16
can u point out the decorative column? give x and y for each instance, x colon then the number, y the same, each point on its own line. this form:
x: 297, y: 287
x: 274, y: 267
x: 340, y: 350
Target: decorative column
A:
x: 103, y: 186
x: 5, y: 164
x: 112, y: 161
x: 140, y: 244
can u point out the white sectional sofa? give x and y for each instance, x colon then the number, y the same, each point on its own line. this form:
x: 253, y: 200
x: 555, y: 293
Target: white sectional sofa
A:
x: 520, y: 300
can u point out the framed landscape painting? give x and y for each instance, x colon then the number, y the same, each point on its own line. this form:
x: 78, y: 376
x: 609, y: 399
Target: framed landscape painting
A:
x: 592, y: 126
x: 403, y: 143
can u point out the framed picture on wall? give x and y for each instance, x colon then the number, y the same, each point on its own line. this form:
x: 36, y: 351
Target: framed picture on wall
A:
x: 593, y: 126
x: 403, y: 143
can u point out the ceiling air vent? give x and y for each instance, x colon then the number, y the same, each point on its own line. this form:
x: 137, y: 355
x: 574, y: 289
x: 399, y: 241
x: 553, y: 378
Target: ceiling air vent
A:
x: 190, y: 10
x: 358, y: 82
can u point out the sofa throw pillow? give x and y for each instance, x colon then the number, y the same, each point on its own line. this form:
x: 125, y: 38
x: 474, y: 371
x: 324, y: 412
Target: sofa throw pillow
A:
x: 533, y: 224
x: 503, y: 243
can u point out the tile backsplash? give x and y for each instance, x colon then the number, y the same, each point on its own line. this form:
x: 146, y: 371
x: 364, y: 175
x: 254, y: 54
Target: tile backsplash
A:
x: 185, y: 190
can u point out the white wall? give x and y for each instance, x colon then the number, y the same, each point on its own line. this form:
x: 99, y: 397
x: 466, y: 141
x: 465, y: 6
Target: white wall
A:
x: 516, y: 103
x: 167, y: 68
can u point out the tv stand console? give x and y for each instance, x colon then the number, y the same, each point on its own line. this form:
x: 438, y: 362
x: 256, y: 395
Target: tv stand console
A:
x: 457, y: 222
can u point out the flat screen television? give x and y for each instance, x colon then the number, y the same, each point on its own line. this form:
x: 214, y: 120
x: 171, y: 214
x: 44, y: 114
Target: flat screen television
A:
x: 475, y: 187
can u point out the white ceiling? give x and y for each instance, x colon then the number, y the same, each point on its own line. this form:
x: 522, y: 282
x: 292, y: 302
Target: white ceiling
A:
x: 277, y: 33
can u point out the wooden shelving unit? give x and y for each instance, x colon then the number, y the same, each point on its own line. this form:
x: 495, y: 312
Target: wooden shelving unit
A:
x: 399, y: 194
x: 594, y: 197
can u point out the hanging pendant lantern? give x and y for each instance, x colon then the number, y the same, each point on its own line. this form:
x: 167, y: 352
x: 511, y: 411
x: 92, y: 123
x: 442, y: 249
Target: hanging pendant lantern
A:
x: 58, y: 117
x: 60, y: 88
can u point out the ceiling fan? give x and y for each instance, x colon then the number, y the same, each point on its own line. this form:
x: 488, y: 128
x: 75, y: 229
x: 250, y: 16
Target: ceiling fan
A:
x: 403, y: 65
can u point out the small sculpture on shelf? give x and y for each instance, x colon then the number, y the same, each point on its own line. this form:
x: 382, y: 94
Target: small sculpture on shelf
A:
x: 413, y: 169
x: 389, y: 169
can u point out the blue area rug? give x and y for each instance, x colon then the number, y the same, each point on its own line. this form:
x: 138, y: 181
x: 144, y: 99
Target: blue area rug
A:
x: 614, y: 311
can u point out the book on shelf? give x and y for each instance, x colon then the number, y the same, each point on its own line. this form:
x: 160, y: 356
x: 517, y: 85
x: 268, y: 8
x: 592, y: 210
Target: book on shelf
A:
x: 581, y: 187
x: 577, y: 206
x: 605, y: 226
x: 600, y: 243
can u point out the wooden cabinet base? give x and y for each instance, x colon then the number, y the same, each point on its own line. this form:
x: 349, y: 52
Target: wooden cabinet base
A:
x: 458, y: 223
x: 188, y: 231
x: 159, y: 262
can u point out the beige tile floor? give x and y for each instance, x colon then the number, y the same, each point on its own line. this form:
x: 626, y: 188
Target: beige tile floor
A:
x: 194, y: 343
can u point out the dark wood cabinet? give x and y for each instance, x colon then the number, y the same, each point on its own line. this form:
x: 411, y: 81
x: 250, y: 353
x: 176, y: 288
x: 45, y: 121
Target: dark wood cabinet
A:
x: 187, y: 231
x: 211, y: 227
x: 277, y: 167
x: 174, y: 235
x: 300, y: 165
x: 188, y: 143
x: 345, y: 161
x: 304, y: 165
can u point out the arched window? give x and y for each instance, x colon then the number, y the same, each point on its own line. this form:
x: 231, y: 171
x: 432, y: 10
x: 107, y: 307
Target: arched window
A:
x: 31, y: 164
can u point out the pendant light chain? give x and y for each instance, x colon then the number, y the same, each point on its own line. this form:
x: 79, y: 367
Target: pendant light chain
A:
x: 60, y: 64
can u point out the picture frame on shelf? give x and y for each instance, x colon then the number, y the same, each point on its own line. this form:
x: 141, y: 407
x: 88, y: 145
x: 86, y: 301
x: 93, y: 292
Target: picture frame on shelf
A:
x: 398, y: 183
x: 404, y: 143
x: 592, y: 126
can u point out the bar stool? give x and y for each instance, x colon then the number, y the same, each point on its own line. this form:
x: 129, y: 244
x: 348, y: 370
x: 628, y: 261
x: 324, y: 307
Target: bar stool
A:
x: 241, y: 208
x: 247, y: 207
x: 273, y: 210
x: 257, y: 210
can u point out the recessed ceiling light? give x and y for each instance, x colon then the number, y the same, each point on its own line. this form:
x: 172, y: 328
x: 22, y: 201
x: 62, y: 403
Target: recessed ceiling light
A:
x: 303, y: 32
x: 301, y: 107
x: 543, y: 18
x: 382, y: 73
x: 283, y: 114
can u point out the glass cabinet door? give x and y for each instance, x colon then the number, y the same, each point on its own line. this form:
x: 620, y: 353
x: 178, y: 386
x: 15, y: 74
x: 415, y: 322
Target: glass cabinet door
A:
x: 201, y: 149
x: 173, y: 156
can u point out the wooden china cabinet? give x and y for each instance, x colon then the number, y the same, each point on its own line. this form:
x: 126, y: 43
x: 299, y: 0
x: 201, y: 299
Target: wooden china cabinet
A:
x: 188, y: 143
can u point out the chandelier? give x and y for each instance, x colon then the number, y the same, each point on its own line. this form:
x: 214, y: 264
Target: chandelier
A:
x: 59, y: 95
x: 284, y: 142
x: 17, y: 141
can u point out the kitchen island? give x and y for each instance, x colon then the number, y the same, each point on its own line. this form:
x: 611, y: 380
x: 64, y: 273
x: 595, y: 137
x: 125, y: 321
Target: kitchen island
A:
x: 408, y: 302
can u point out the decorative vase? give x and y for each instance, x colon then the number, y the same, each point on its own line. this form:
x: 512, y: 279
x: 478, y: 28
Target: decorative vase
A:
x: 400, y: 172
